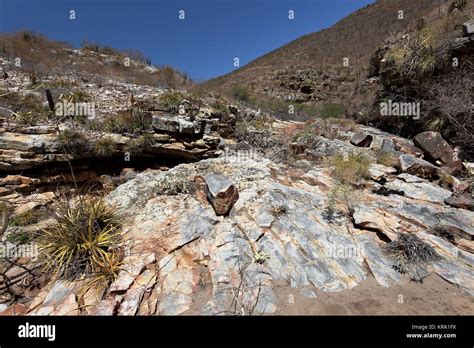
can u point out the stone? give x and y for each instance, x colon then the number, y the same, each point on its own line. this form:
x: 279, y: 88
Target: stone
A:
x: 417, y: 166
x: 424, y: 191
x: 453, y: 168
x: 463, y: 202
x: 434, y: 147
x: 221, y: 193
x: 468, y: 27
x: 68, y: 307
x: 362, y: 139
x: 407, y: 148
x: 16, y: 309
x: 105, y: 307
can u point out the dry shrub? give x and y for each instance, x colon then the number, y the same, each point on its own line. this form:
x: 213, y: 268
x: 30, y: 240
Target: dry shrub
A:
x: 84, y: 240
x: 104, y: 147
x: 408, y: 252
x: 350, y: 168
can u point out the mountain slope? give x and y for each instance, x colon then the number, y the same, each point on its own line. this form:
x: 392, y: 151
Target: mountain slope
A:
x: 310, y: 69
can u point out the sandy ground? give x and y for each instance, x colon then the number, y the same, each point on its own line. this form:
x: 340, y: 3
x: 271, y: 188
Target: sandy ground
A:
x: 434, y: 296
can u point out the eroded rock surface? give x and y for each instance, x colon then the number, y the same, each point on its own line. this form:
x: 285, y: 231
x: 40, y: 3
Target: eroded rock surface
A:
x: 275, y: 233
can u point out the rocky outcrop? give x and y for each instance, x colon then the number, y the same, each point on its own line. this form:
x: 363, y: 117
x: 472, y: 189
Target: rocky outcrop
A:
x: 185, y: 258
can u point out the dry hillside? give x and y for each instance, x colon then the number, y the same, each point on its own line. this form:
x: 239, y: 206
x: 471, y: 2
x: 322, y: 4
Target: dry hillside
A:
x: 310, y: 69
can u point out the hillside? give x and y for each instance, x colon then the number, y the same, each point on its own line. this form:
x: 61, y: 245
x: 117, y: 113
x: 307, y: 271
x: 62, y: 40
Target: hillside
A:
x: 126, y: 190
x: 310, y: 69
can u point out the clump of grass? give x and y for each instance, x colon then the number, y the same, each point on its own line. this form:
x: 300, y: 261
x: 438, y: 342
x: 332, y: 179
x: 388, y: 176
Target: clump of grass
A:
x: 387, y: 159
x: 171, y: 101
x: 140, y: 145
x: 130, y: 121
x: 76, y: 96
x: 350, y: 168
x: 408, y: 251
x: 104, y: 147
x: 27, y: 218
x: 278, y: 210
x: 84, y: 240
x: 73, y: 141
x: 18, y: 237
x: 341, y: 201
x: 332, y: 110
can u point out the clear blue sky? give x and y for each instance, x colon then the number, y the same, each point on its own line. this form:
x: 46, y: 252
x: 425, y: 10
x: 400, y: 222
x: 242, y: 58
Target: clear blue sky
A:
x: 204, y: 44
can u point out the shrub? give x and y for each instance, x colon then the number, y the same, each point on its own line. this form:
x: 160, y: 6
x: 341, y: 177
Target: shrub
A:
x: 408, y: 251
x: 171, y: 101
x: 29, y: 109
x: 350, y: 168
x: 341, y: 200
x: 104, y: 147
x: 27, y: 218
x: 73, y: 141
x: 220, y: 109
x: 141, y: 144
x: 241, y: 93
x: 134, y: 121
x: 18, y: 237
x: 387, y: 159
x: 332, y: 110
x: 84, y: 240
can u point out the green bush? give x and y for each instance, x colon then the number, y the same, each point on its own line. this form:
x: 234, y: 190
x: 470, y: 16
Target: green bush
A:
x: 18, y: 237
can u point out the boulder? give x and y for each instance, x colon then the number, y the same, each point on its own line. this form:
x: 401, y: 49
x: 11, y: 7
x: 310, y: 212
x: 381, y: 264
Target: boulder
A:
x: 434, y: 147
x: 221, y: 193
x: 362, y: 139
x: 406, y: 148
x: 416, y: 166
x: 166, y: 123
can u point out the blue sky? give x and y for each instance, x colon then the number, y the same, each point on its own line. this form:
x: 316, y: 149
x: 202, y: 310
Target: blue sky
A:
x: 204, y: 44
